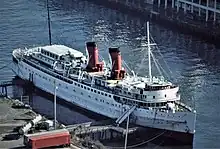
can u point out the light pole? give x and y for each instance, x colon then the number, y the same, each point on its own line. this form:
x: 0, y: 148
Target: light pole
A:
x: 55, y: 104
x: 126, y: 135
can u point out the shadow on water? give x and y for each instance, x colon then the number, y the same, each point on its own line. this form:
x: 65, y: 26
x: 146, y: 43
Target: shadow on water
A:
x: 67, y: 113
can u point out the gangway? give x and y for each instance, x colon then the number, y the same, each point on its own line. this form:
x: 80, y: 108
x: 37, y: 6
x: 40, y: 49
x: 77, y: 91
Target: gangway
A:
x: 125, y: 115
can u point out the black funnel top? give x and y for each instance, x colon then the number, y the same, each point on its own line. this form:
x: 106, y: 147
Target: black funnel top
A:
x: 91, y: 44
x: 114, y: 49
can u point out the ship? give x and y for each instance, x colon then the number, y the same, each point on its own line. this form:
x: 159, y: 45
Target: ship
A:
x: 107, y: 89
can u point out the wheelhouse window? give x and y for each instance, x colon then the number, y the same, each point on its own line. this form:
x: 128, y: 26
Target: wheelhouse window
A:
x: 141, y: 104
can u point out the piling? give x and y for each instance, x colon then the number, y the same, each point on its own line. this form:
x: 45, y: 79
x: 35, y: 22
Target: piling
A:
x: 184, y: 15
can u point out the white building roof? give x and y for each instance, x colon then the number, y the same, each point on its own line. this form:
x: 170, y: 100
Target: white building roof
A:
x: 62, y: 50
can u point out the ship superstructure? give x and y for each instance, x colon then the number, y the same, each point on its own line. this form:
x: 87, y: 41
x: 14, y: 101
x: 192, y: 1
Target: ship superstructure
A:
x: 88, y: 83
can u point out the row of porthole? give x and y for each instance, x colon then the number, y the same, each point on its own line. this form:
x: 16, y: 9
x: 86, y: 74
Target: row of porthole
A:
x: 162, y: 115
x: 92, y: 90
x: 164, y: 96
x: 145, y: 96
x: 43, y: 77
x: 100, y: 99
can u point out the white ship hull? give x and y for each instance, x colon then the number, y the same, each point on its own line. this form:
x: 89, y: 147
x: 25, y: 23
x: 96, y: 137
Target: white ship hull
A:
x: 179, y: 122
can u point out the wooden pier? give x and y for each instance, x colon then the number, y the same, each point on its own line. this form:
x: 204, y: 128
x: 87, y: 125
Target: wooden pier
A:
x: 14, y: 81
x: 3, y: 86
x: 196, y: 17
x: 210, y: 9
x: 99, y: 132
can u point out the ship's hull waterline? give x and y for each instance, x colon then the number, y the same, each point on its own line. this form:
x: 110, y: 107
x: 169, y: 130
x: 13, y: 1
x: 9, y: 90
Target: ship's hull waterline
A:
x: 180, y: 123
x: 158, y: 136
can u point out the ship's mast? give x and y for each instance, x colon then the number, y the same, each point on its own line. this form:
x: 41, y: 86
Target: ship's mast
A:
x: 149, y: 59
x: 48, y: 19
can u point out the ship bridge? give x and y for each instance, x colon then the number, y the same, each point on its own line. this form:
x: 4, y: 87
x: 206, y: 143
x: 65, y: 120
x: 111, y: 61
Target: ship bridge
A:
x: 145, y: 83
x: 61, y: 50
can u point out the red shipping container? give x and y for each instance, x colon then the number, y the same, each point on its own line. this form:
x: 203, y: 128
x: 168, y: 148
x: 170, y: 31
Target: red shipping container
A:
x: 50, y: 140
x: 52, y: 132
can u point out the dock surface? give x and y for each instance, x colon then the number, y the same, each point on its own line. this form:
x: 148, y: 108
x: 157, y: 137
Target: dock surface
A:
x: 10, y: 120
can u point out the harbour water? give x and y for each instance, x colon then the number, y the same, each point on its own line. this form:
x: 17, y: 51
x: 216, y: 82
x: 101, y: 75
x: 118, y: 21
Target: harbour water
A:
x: 192, y: 63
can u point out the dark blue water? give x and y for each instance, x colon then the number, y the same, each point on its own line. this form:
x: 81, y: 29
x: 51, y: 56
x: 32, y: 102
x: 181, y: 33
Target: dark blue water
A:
x: 193, y: 64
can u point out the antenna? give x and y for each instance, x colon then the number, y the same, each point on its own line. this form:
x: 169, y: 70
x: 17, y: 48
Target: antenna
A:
x: 48, y: 12
x: 148, y: 44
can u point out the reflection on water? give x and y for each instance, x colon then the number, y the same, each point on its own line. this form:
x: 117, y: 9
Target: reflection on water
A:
x: 193, y: 64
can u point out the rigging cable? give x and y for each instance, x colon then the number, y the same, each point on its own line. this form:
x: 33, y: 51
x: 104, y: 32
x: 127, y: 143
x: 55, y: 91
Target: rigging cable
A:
x: 126, y: 65
x: 157, y: 63
x: 154, y: 59
x: 163, y: 70
x: 162, y: 57
x: 142, y: 62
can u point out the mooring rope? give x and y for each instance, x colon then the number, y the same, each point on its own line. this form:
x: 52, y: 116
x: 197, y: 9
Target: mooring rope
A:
x: 139, y: 144
x: 5, y: 66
